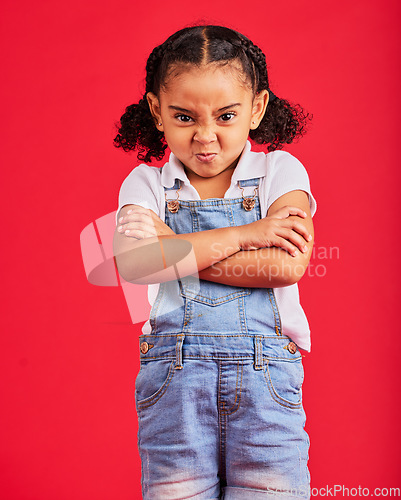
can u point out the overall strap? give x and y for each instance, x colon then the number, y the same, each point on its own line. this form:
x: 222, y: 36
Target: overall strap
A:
x: 249, y: 202
x: 242, y: 183
x: 173, y: 205
x: 249, y: 182
x: 176, y: 185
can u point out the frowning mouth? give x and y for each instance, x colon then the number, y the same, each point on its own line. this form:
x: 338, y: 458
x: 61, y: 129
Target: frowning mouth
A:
x: 206, y: 157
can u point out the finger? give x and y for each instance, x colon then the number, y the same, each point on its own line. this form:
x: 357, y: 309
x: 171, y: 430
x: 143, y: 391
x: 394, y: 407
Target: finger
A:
x: 295, y: 226
x: 139, y: 210
x: 135, y: 209
x: 295, y: 239
x: 141, y: 226
x: 302, y: 230
x: 137, y: 228
x: 136, y: 217
x: 288, y: 210
x: 286, y: 245
x: 136, y: 234
x: 299, y: 228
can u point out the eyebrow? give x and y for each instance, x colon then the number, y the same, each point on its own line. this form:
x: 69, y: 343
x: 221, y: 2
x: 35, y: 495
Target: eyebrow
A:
x: 183, y: 110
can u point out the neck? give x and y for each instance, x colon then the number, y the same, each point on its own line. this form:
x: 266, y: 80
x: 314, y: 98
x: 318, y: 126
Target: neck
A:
x: 212, y: 187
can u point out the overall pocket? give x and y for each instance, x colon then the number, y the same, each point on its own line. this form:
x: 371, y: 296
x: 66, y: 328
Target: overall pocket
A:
x: 284, y: 380
x: 152, y: 382
x: 210, y: 293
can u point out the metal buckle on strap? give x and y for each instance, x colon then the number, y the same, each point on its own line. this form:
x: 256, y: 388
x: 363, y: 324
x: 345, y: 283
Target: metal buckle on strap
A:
x: 258, y: 364
x: 178, y: 352
x: 173, y: 205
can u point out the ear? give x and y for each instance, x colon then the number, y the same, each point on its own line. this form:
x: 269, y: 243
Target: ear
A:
x: 259, y: 106
x: 154, y: 106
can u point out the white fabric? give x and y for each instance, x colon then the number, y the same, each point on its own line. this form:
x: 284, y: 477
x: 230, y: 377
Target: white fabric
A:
x: 280, y: 172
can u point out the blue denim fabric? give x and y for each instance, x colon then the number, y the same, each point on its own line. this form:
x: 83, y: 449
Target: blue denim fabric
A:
x: 219, y: 391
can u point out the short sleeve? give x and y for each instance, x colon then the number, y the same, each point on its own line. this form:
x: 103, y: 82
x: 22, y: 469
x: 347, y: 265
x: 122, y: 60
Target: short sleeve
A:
x: 141, y: 187
x: 286, y: 173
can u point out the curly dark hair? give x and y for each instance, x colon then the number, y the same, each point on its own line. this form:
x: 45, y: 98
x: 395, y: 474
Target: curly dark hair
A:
x: 205, y: 44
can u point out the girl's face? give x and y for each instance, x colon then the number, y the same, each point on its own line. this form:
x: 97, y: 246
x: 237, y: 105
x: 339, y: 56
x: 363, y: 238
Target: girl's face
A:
x: 206, y: 114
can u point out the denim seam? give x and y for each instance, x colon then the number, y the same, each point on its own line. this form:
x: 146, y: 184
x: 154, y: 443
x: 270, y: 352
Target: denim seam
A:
x: 269, y: 293
x: 230, y: 214
x: 187, y: 313
x: 210, y: 202
x: 147, y: 402
x: 284, y: 402
x: 145, y: 473
x: 195, y: 220
x: 276, y: 311
x: 307, y: 457
x: 238, y: 390
x: 242, y: 314
x: 221, y: 417
x: 178, y: 352
x: 217, y: 356
x: 155, y: 308
x: 299, y: 463
x: 141, y: 452
x: 217, y: 301
x: 250, y: 336
x: 257, y: 209
x: 258, y: 353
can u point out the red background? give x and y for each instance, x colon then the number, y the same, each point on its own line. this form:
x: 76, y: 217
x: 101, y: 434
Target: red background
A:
x: 70, y: 353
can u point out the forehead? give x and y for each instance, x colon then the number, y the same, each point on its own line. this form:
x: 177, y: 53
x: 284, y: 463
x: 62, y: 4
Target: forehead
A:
x: 207, y: 83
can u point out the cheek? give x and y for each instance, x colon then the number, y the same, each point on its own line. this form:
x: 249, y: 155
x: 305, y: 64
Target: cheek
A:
x: 177, y: 138
x: 240, y: 133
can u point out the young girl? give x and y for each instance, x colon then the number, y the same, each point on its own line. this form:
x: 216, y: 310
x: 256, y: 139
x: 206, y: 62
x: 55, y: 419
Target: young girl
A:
x: 222, y: 235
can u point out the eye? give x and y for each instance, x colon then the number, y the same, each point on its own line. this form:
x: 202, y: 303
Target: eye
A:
x: 183, y: 118
x: 226, y: 117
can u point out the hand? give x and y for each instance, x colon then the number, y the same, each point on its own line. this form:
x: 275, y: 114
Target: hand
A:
x: 140, y: 223
x: 276, y: 230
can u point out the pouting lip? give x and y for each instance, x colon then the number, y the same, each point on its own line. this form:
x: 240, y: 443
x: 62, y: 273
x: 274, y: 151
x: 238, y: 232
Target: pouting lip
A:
x: 206, y: 157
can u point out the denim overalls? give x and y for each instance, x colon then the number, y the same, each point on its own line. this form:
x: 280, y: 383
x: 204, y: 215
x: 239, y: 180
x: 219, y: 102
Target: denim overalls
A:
x: 218, y: 394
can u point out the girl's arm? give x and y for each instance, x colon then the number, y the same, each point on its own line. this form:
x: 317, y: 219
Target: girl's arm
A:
x: 167, y: 256
x: 267, y: 267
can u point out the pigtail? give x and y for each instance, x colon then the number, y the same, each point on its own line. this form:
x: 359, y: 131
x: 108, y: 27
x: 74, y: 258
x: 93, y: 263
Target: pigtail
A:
x: 283, y: 122
x: 137, y: 129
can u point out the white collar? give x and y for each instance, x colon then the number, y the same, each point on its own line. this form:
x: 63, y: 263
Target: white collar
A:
x: 250, y: 165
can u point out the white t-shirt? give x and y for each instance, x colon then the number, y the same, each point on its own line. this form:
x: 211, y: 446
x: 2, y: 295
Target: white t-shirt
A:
x: 279, y: 171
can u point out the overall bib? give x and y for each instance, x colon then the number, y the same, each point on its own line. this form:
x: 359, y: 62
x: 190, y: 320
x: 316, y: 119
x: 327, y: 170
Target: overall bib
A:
x: 219, y: 391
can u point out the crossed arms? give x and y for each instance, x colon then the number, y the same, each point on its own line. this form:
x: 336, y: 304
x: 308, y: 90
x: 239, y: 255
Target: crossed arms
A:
x: 271, y: 252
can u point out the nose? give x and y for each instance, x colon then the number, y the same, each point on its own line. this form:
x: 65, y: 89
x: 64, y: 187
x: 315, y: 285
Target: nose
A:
x: 205, y: 135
